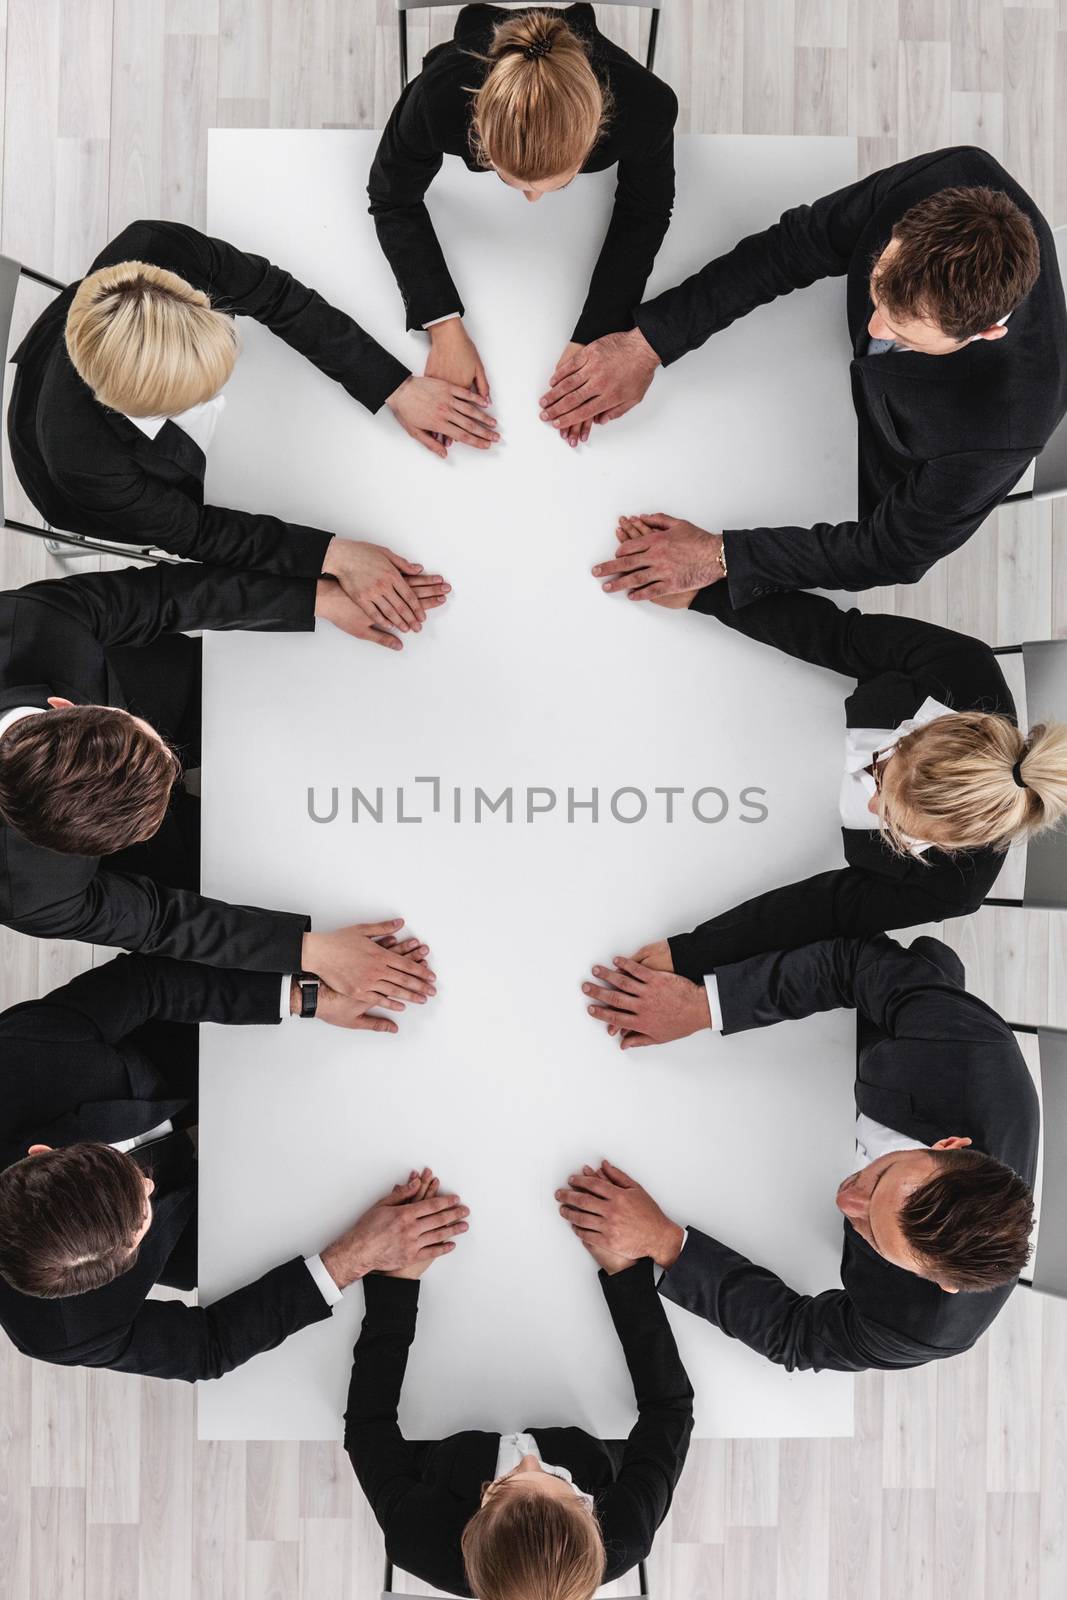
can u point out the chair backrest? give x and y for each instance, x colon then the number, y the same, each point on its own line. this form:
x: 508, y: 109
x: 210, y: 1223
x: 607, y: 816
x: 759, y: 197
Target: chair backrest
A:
x: 1045, y: 672
x: 10, y: 272
x: 389, y: 1593
x: 1049, y: 1267
x: 1050, y: 471
x: 521, y: 5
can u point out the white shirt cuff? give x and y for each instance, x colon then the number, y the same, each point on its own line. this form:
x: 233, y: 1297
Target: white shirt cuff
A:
x: 660, y: 1271
x: 711, y: 984
x: 449, y: 316
x: 329, y: 1290
x: 284, y: 1011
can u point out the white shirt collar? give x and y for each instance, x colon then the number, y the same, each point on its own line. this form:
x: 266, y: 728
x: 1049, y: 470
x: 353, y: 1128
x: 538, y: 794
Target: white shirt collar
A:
x: 16, y: 714
x: 199, y: 421
x: 861, y: 747
x: 513, y: 1446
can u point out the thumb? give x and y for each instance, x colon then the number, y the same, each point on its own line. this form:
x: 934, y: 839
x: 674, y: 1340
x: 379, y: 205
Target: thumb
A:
x: 430, y: 440
x: 565, y: 368
x: 404, y: 564
x: 375, y: 1024
x: 617, y: 1175
x: 401, y: 1192
x: 658, y: 519
x: 374, y: 930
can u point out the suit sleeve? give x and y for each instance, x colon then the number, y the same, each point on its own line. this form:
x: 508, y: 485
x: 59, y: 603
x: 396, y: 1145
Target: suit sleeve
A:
x: 143, y: 510
x: 383, y: 1460
x: 806, y: 244
x: 644, y: 200
x: 170, y: 1340
x: 139, y: 604
x: 800, y: 1332
x: 654, y: 1455
x: 248, y: 285
x: 136, y: 913
x: 407, y: 160
x: 925, y: 516
x: 108, y: 1002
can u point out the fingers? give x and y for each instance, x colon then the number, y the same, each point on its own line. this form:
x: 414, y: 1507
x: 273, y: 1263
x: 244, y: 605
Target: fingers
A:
x: 632, y: 969
x: 658, y: 519
x: 439, y: 1235
x: 376, y: 634
x: 429, y: 441
x: 634, y: 561
x: 564, y: 368
x: 611, y: 998
x: 375, y: 1024
x: 426, y: 583
x: 437, y: 1210
x: 617, y: 1175
x: 401, y: 967
x: 463, y: 435
x: 575, y: 402
x: 470, y: 413
x: 591, y: 1183
x: 374, y: 930
x: 614, y: 975
x: 629, y: 581
x: 481, y: 382
x: 459, y: 393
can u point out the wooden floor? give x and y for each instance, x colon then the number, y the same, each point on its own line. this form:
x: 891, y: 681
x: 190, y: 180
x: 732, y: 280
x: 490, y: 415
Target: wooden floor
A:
x: 956, y: 1482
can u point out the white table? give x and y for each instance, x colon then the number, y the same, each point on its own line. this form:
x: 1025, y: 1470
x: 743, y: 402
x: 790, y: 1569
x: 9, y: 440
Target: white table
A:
x: 530, y: 678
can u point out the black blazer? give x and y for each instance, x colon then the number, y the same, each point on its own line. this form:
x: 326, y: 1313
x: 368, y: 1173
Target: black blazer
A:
x: 432, y: 119
x: 106, y: 1057
x: 932, y: 1061
x: 942, y: 439
x: 424, y: 1493
x: 898, y: 662
x: 91, y: 471
x: 114, y: 639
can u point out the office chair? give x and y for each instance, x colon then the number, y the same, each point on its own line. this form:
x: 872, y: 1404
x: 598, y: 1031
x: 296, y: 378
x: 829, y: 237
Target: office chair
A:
x: 1046, y: 476
x: 1045, y: 676
x: 389, y: 1593
x: 404, y: 6
x: 1048, y: 1269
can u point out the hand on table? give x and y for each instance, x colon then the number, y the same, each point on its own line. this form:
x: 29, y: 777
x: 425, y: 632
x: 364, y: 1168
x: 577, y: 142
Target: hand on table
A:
x: 614, y: 1216
x: 455, y: 360
x: 332, y: 604
x: 645, y: 1006
x: 661, y: 558
x: 391, y: 591
x: 434, y: 409
x: 342, y: 1011
x: 580, y: 431
x: 409, y: 1227
x: 362, y: 966
x: 600, y: 381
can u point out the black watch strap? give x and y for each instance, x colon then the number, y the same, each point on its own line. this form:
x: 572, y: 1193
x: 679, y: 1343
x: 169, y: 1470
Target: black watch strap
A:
x: 309, y: 993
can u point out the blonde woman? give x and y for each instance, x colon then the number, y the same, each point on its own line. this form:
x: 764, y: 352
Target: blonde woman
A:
x: 536, y: 97
x: 119, y: 388
x: 938, y: 781
x: 542, y: 1514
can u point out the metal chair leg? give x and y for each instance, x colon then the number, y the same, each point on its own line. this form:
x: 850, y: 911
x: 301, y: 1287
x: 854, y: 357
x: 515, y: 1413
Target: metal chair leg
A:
x: 402, y: 24
x: 72, y: 545
x: 653, y: 29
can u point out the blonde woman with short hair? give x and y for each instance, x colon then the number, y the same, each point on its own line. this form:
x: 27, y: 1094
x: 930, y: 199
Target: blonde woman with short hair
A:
x: 539, y: 1514
x: 120, y: 383
x: 938, y: 782
x: 537, y: 97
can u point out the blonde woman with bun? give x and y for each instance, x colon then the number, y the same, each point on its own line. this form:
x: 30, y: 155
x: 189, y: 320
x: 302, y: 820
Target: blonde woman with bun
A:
x: 537, y: 97
x: 120, y: 383
x: 540, y: 1514
x: 938, y: 783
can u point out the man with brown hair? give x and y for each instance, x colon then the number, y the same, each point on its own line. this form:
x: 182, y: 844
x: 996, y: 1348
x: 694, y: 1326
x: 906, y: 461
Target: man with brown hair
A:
x: 98, y: 1196
x: 944, y: 256
x: 938, y: 1214
x: 99, y: 721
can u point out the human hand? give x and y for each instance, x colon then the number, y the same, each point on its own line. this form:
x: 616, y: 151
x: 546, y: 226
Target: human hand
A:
x: 333, y: 605
x: 580, y: 431
x: 342, y: 1011
x: 408, y: 1227
x: 361, y: 966
x: 644, y: 1006
x: 611, y: 1213
x: 656, y: 956
x: 662, y: 558
x: 600, y: 381
x: 433, y: 409
x: 391, y: 590
x: 454, y: 358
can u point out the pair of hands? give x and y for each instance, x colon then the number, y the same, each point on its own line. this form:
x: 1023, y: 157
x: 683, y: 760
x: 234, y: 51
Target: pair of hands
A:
x: 366, y: 965
x: 613, y: 1217
x: 372, y: 593
x: 642, y: 1000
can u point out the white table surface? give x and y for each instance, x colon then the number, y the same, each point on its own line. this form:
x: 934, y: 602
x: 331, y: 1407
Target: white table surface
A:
x: 529, y: 677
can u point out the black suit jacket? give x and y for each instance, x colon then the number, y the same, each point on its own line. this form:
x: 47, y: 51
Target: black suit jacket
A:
x: 898, y: 662
x: 106, y: 1057
x: 942, y: 439
x: 91, y: 471
x: 424, y: 1493
x: 114, y: 639
x: 432, y: 119
x: 932, y: 1061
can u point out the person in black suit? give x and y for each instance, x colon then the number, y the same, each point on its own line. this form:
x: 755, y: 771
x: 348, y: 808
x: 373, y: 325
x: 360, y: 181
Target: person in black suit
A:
x: 939, y: 1215
x: 99, y: 833
x: 938, y: 781
x: 536, y: 97
x: 547, y: 1510
x: 958, y: 328
x: 116, y: 397
x: 98, y: 1198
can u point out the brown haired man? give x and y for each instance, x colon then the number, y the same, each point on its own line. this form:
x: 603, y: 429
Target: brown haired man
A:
x: 98, y: 1198
x: 944, y: 256
x: 99, y: 834
x: 937, y: 1220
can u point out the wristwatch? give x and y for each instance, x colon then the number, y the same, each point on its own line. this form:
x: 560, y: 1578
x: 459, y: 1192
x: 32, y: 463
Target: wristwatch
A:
x: 308, y: 984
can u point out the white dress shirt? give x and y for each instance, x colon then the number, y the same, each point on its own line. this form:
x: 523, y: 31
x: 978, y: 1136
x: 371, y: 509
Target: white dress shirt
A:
x: 199, y: 422
x: 513, y: 1446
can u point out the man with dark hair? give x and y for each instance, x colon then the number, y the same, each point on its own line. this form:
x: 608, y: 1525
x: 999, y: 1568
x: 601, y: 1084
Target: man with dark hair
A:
x: 99, y: 831
x: 937, y: 1221
x: 98, y: 1198
x: 944, y: 255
